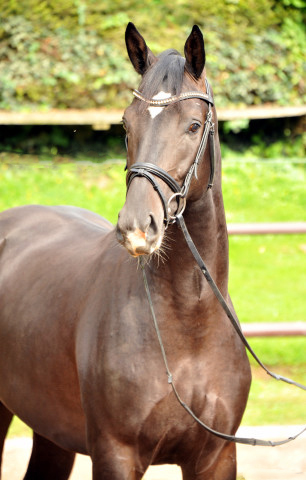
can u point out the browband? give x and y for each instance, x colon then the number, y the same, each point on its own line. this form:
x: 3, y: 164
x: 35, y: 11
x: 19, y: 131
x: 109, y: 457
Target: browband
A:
x: 174, y: 99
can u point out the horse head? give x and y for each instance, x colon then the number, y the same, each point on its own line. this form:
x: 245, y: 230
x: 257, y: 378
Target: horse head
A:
x: 165, y: 126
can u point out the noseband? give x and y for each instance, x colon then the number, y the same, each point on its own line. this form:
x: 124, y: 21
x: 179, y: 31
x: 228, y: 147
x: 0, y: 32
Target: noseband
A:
x: 150, y: 171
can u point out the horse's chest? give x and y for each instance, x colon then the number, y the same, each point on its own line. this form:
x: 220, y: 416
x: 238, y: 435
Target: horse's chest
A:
x: 134, y: 392
x: 127, y: 390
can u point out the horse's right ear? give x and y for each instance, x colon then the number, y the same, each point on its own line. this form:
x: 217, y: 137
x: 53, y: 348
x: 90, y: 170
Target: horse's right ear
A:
x: 140, y: 55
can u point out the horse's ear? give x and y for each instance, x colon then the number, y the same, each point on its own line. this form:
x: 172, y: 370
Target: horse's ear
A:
x: 195, y: 52
x: 140, y: 55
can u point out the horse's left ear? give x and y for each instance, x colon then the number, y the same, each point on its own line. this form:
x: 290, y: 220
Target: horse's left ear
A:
x: 140, y: 55
x: 195, y: 52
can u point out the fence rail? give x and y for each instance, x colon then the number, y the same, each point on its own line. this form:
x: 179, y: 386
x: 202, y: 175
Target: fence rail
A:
x: 102, y: 118
x: 266, y: 228
x: 284, y: 329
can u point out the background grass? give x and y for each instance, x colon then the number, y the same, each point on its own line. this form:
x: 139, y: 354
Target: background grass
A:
x: 98, y: 187
x: 267, y: 273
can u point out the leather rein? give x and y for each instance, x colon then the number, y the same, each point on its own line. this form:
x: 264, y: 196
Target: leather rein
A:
x: 150, y: 171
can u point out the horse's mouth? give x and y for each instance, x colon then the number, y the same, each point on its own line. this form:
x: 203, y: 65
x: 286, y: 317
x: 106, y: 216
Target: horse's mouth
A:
x: 137, y: 242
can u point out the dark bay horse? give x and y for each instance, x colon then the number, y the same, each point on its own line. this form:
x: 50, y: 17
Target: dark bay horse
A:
x: 80, y: 361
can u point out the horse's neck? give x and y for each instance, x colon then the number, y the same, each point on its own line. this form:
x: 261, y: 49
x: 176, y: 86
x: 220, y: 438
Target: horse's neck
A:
x: 205, y: 221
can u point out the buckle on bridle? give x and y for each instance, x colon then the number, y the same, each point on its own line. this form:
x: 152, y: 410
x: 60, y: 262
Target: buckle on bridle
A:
x: 180, y: 210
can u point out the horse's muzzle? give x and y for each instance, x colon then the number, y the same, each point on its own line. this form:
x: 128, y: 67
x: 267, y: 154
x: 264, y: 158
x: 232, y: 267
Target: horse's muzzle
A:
x: 138, y: 239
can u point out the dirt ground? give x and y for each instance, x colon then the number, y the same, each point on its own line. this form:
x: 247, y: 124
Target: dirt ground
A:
x: 287, y: 462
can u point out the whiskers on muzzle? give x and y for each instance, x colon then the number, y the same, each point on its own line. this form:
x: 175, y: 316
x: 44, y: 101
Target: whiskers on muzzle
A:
x: 139, y: 243
x: 140, y: 234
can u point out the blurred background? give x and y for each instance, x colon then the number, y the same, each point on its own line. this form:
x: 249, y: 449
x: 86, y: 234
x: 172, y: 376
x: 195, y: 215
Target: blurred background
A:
x: 70, y: 54
x: 65, y: 80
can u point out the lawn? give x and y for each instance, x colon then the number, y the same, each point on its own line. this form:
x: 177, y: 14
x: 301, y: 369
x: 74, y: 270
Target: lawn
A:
x: 267, y: 273
x: 98, y: 187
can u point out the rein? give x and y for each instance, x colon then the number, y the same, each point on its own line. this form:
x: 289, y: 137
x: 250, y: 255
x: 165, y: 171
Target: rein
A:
x: 234, y: 321
x: 149, y: 171
x: 224, y: 436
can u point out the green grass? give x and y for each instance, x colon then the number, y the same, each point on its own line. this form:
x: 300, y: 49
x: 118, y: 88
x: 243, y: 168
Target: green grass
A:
x: 19, y: 429
x: 273, y: 402
x: 98, y: 187
x: 264, y: 191
x: 267, y: 273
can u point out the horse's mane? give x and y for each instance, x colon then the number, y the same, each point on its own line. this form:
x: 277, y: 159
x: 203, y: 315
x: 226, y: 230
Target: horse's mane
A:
x: 166, y: 74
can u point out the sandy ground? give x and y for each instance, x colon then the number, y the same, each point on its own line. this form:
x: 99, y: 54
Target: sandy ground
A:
x: 287, y: 462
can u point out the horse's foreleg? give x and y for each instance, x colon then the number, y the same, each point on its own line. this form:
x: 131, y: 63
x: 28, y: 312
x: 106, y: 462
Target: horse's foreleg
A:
x: 5, y: 421
x: 112, y: 461
x: 48, y: 461
x: 223, y: 468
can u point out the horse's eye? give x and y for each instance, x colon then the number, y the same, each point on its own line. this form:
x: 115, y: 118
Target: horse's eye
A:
x: 194, y: 127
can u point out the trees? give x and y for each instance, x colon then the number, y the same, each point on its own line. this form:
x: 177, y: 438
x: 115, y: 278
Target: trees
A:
x: 71, y: 53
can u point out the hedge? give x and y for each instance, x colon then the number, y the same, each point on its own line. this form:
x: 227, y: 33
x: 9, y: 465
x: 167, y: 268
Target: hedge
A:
x: 71, y: 53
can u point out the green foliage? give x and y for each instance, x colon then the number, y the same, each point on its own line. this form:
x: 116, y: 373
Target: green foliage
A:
x: 57, y: 70
x: 270, y: 138
x: 71, y: 53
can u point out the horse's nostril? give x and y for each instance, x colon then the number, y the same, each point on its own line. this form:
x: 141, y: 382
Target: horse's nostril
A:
x: 119, y: 235
x: 152, y: 229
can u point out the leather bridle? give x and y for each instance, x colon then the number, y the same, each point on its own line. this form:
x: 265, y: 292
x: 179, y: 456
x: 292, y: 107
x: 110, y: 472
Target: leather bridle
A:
x: 150, y: 171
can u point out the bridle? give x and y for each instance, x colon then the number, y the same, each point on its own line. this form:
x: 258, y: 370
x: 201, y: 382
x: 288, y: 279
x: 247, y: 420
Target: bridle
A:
x: 150, y: 171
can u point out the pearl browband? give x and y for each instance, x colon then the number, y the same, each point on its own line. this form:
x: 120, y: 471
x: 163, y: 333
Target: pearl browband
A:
x: 174, y: 99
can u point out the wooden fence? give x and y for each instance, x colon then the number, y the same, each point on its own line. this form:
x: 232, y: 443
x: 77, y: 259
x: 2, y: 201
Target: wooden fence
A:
x: 102, y: 118
x: 266, y: 228
x: 284, y: 329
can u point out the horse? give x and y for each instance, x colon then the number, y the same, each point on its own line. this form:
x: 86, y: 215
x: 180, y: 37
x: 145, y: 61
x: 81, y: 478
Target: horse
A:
x: 80, y: 359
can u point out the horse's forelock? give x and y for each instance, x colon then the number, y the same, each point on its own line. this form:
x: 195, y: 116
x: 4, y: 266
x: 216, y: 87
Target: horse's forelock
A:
x: 166, y: 74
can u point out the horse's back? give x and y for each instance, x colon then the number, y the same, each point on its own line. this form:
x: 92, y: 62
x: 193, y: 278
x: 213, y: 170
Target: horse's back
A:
x: 41, y: 219
x: 28, y: 231
x: 56, y: 246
